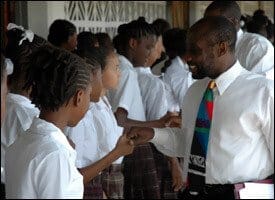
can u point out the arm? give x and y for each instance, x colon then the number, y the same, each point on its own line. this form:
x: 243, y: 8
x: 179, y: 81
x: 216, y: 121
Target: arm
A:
x: 168, y: 120
x: 176, y: 173
x: 124, y: 147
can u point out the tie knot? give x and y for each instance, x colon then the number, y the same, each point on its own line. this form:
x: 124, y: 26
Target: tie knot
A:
x: 211, y: 85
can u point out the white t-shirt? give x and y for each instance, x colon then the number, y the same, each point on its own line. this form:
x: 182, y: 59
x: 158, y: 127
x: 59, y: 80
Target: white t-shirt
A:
x: 255, y: 52
x: 41, y: 165
x: 127, y: 95
x: 179, y: 78
x: 241, y: 138
x: 153, y: 94
x: 19, y: 115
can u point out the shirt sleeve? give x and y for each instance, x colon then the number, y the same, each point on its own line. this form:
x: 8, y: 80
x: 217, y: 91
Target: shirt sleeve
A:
x: 57, y: 177
x: 126, y: 91
x: 268, y: 127
x: 261, y: 56
x: 169, y: 141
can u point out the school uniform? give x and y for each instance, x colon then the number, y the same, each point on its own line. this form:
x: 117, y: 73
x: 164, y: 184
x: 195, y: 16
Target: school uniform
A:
x: 94, y: 137
x: 139, y: 170
x: 41, y: 164
x: 255, y: 53
x: 155, y: 103
x: 19, y: 115
x: 179, y: 78
x: 108, y: 133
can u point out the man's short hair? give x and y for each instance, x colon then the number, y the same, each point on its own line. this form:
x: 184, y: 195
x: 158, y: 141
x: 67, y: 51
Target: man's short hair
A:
x: 215, y: 29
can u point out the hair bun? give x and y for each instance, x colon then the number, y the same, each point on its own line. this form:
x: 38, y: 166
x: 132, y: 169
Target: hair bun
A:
x: 141, y: 19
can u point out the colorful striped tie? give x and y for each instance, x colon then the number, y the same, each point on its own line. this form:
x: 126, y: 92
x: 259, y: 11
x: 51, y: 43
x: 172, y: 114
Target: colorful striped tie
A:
x: 196, y: 173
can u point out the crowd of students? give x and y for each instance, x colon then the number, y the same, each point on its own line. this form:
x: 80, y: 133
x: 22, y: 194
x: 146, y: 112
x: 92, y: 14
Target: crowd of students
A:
x: 87, y: 116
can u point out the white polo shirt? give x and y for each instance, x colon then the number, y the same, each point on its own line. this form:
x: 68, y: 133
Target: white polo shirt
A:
x: 19, y: 115
x: 41, y: 165
x: 127, y: 95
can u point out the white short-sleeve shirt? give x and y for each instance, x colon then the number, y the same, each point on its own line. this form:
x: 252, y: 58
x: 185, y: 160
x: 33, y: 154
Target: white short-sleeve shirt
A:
x: 41, y: 165
x: 19, y: 115
x: 153, y: 94
x: 179, y: 78
x: 255, y: 53
x: 127, y: 95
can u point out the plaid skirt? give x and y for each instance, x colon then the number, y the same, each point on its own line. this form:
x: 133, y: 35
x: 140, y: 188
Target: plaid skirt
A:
x: 113, y: 181
x: 94, y: 189
x: 164, y: 175
x: 140, y: 174
x: 110, y: 181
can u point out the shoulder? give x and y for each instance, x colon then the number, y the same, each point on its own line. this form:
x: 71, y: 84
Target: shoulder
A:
x: 256, y: 40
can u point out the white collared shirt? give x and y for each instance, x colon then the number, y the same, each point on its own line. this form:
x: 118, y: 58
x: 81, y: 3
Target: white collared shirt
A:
x: 255, y: 52
x: 19, y: 115
x: 241, y: 139
x: 41, y: 164
x: 106, y: 127
x: 153, y: 94
x: 85, y: 138
x: 127, y: 95
x: 179, y: 78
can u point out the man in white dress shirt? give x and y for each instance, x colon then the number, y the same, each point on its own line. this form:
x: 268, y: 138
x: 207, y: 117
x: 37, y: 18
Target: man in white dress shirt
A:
x: 241, y: 138
x: 254, y: 51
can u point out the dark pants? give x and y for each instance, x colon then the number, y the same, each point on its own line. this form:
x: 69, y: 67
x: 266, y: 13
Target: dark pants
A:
x: 3, y: 193
x: 225, y: 192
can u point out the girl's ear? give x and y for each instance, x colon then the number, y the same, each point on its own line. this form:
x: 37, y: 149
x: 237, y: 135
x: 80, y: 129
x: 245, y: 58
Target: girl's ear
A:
x: 77, y: 99
x: 133, y: 43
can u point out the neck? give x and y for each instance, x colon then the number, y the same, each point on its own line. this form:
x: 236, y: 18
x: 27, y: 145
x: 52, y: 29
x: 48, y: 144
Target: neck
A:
x: 103, y: 92
x: 57, y: 118
x: 227, y: 62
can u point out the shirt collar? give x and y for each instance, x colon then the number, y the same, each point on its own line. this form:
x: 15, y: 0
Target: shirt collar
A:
x: 143, y: 70
x: 42, y: 127
x: 239, y: 33
x: 182, y: 63
x: 20, y: 99
x: 125, y: 62
x: 228, y: 77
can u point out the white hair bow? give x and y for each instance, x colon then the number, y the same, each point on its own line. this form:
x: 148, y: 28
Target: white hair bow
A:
x: 28, y: 34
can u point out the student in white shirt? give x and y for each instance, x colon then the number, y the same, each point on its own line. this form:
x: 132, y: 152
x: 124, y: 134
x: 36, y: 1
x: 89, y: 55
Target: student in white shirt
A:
x: 97, y: 133
x: 241, y: 137
x: 41, y: 163
x: 134, y: 43
x: 255, y: 52
x: 20, y: 111
x: 4, y: 90
x: 155, y: 104
x: 176, y: 70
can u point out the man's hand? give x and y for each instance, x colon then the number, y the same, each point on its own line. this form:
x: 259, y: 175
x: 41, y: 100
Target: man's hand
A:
x: 140, y: 135
x: 124, y: 145
x: 169, y: 120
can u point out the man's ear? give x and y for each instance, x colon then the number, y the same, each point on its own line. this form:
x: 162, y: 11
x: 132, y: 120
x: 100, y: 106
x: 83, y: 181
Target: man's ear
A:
x: 222, y: 48
x: 133, y: 43
x: 77, y: 99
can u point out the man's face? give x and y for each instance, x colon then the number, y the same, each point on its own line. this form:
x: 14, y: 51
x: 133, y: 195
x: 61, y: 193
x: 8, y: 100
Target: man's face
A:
x: 200, y: 58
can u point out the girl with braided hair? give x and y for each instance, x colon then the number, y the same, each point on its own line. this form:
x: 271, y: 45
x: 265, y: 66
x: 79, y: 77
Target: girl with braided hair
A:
x: 41, y: 163
x: 133, y: 43
x: 20, y: 111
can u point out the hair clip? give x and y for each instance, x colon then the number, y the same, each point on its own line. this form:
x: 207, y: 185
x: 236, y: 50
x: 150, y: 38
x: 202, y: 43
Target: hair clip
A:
x: 27, y: 34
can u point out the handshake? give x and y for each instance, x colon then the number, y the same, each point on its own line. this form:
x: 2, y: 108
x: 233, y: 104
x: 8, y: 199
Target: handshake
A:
x: 140, y: 135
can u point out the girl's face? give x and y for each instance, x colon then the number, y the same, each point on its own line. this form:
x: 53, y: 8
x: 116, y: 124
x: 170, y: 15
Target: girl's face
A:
x: 96, y: 86
x: 155, y: 53
x: 111, y: 73
x: 142, y: 50
x: 82, y: 101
